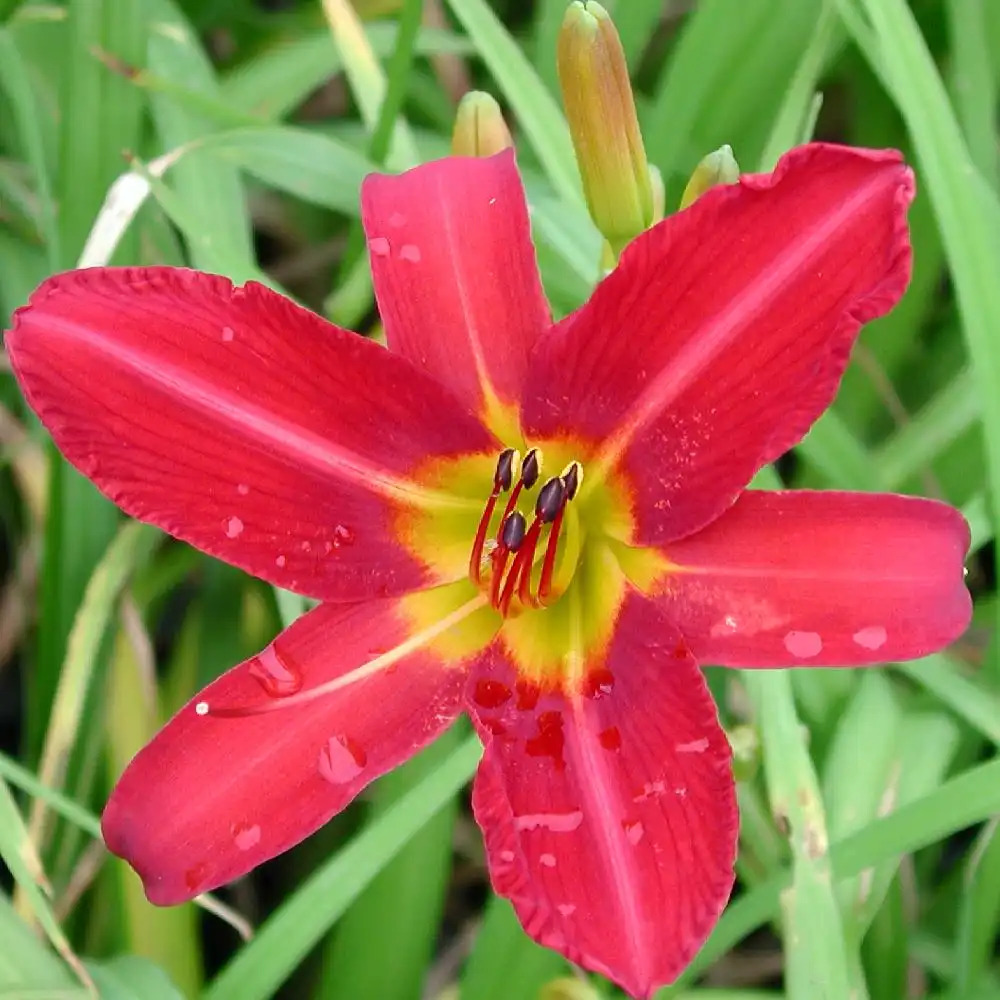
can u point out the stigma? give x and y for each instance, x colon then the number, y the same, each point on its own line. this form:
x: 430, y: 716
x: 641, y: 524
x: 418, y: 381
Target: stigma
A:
x: 507, y: 547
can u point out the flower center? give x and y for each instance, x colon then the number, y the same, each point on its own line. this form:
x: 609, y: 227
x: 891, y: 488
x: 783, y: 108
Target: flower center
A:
x: 506, y: 564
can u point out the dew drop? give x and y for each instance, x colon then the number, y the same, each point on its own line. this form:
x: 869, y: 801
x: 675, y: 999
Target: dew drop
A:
x: 201, y: 708
x: 342, y: 536
x: 280, y: 562
x: 194, y: 878
x: 489, y: 693
x: 598, y: 683
x: 245, y: 837
x: 873, y: 637
x: 397, y: 220
x: 566, y: 909
x: 495, y: 726
x: 242, y: 489
x: 277, y: 675
x: 549, y: 741
x: 633, y: 831
x: 228, y: 334
x: 803, y: 645
x: 410, y: 252
x: 528, y: 694
x: 379, y: 246
x: 547, y: 860
x: 556, y: 822
x: 233, y: 527
x: 695, y: 746
x: 610, y: 738
x: 650, y: 790
x: 507, y: 856
x: 341, y: 760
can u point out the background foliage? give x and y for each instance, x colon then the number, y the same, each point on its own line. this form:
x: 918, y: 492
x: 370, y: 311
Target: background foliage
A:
x: 232, y: 135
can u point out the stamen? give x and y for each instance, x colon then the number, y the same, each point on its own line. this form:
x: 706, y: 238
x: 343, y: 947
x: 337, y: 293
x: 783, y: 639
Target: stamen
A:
x: 525, y: 557
x: 502, y: 479
x: 512, y: 533
x: 548, y: 508
x: 531, y: 467
x: 571, y: 480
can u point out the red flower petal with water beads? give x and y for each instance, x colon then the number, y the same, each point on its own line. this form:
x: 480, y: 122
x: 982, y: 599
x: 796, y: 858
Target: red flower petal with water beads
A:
x: 811, y: 579
x: 609, y: 815
x: 239, y: 422
x: 216, y: 794
x: 455, y: 274
x: 724, y: 331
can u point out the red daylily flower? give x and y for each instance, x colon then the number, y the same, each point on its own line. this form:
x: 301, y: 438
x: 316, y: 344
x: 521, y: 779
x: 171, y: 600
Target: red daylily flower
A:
x: 565, y: 607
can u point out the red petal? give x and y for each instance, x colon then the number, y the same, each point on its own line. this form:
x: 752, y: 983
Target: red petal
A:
x: 723, y: 333
x: 455, y: 273
x: 214, y: 796
x: 239, y: 422
x: 610, y: 818
x: 807, y: 579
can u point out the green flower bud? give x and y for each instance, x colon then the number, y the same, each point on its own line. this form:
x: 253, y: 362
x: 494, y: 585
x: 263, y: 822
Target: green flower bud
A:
x: 600, y: 109
x: 480, y: 129
x: 719, y: 167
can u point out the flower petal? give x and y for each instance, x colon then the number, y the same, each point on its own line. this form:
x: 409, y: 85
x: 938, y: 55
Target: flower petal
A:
x: 724, y: 331
x: 809, y: 579
x: 455, y: 274
x: 240, y: 422
x: 262, y: 758
x: 609, y: 813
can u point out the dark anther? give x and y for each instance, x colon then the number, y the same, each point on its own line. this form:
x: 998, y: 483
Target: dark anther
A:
x: 530, y: 469
x: 571, y: 480
x: 551, y: 499
x: 513, y: 530
x: 504, y: 475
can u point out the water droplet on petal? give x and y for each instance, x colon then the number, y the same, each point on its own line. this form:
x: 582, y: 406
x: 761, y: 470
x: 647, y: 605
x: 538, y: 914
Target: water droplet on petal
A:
x: 633, y: 831
x: 233, y: 527
x: 650, y: 790
x: 547, y: 860
x: 549, y: 742
x: 507, y: 856
x: 341, y: 760
x: 195, y: 877
x: 598, y: 683
x: 379, y: 246
x: 201, y: 708
x: 803, y: 645
x: 556, y: 822
x: 245, y: 836
x: 610, y: 738
x: 410, y: 252
x: 280, y: 562
x: 276, y: 673
x: 242, y: 489
x: 397, y: 220
x: 528, y: 694
x: 342, y: 536
x: 566, y: 909
x: 228, y: 334
x: 695, y: 746
x: 873, y: 637
x: 489, y: 693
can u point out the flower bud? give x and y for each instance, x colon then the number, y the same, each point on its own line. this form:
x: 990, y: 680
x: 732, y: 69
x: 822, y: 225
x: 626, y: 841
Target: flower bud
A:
x: 568, y: 988
x: 745, y: 743
x: 719, y: 167
x: 600, y: 109
x: 479, y: 127
x: 659, y: 194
